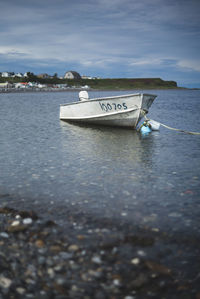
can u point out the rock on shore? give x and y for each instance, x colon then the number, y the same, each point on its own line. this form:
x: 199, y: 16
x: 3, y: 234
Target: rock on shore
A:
x: 91, y: 259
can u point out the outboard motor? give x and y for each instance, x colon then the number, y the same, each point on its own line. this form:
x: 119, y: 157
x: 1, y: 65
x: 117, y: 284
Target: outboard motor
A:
x: 83, y: 95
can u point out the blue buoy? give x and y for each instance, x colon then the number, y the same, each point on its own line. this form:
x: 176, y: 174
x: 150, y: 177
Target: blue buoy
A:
x: 145, y: 130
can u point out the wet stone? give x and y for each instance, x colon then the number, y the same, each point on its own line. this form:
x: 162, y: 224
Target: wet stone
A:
x: 39, y: 243
x: 20, y: 290
x: 96, y: 259
x: 65, y: 255
x: 4, y: 235
x: 55, y: 248
x: 16, y: 228
x: 5, y: 282
x: 73, y: 248
x: 135, y: 261
x: 156, y: 267
x: 27, y: 221
x: 15, y: 223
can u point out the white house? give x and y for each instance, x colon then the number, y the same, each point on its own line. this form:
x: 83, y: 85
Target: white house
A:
x: 72, y: 75
x: 19, y: 75
x: 7, y: 74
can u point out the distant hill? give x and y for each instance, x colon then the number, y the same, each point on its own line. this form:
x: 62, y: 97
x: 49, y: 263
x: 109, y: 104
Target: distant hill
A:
x: 134, y: 83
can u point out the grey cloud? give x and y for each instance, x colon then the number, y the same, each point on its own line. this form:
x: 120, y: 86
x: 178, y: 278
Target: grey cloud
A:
x: 101, y: 33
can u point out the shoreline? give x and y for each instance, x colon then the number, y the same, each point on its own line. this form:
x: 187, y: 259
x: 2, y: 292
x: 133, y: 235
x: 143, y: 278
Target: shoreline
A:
x: 93, y: 258
x: 90, y: 89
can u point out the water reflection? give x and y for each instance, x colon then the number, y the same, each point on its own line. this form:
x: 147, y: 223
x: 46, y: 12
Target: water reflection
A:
x: 111, y: 167
x: 108, y: 144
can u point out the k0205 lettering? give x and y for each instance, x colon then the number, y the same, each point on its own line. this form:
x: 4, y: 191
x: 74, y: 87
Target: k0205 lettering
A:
x: 112, y: 106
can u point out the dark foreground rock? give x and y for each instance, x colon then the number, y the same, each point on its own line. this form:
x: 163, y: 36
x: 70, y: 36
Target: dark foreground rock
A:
x: 93, y: 259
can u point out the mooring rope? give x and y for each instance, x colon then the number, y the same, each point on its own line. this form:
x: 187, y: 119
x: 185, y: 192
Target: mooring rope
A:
x: 174, y: 129
x: 179, y: 130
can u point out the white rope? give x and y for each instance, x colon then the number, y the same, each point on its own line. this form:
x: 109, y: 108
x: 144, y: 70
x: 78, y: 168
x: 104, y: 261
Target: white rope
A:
x: 179, y: 130
x: 174, y: 129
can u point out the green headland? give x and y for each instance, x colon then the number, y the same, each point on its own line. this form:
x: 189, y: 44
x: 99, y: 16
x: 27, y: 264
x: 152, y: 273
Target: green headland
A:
x: 96, y: 83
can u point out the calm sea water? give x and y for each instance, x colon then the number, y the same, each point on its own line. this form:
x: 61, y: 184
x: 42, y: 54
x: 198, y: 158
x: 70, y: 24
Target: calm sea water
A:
x: 50, y: 165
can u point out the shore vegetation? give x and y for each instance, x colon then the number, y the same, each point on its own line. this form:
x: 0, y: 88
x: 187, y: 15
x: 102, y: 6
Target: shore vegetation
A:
x: 100, y: 84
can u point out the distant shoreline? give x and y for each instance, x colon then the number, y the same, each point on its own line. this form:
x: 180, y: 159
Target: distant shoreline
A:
x: 36, y: 84
x: 11, y: 90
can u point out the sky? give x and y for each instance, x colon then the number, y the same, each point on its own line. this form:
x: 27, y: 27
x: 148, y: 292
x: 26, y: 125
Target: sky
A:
x: 103, y: 38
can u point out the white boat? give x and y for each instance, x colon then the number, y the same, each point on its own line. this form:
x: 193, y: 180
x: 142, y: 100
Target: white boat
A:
x: 122, y: 111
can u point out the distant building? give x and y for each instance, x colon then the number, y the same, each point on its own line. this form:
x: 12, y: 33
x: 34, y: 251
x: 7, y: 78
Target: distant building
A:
x: 21, y: 85
x: 41, y: 85
x: 19, y: 75
x: 86, y: 77
x: 7, y: 74
x: 89, y: 77
x: 43, y: 76
x: 5, y: 85
x: 72, y: 75
x: 62, y: 86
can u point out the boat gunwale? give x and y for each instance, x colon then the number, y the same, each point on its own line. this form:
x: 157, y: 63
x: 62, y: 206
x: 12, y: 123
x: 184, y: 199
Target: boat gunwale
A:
x: 103, y: 115
x: 109, y: 98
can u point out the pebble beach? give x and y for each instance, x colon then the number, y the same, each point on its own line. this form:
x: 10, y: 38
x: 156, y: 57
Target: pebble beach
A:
x: 93, y: 258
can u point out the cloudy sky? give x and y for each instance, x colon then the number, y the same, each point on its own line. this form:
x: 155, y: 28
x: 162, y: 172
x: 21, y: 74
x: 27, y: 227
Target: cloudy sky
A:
x: 106, y: 38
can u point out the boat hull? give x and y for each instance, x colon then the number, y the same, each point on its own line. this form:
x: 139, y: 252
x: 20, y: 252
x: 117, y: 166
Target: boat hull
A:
x: 121, y: 111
